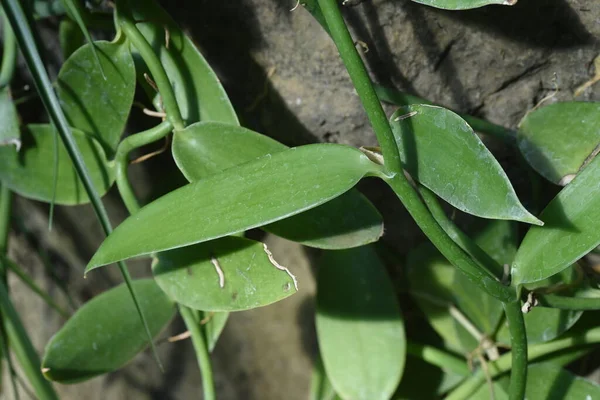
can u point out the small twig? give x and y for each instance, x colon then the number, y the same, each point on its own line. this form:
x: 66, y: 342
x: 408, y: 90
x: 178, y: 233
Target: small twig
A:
x: 217, y: 266
x: 177, y: 338
x: 156, y: 114
x: 596, y: 78
x: 154, y: 153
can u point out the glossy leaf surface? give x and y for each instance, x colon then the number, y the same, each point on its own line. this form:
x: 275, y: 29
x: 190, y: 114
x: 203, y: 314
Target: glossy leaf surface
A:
x: 92, y: 104
x: 572, y: 229
x: 442, y: 152
x: 9, y: 125
x: 250, y: 195
x: 199, y: 93
x: 463, y: 4
x: 30, y: 172
x: 106, y: 333
x: 359, y: 326
x: 207, y: 148
x: 557, y: 139
x: 230, y: 274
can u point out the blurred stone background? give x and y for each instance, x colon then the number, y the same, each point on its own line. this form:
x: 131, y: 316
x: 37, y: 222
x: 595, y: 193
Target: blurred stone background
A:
x: 285, y: 79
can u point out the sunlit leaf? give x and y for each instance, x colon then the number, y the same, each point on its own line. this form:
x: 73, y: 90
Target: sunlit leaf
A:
x: 572, y: 229
x: 230, y: 274
x: 200, y: 96
x: 29, y: 172
x: 253, y: 194
x: 557, y: 139
x: 359, y: 326
x: 106, y: 333
x: 442, y: 152
x: 207, y: 148
x: 463, y: 4
x: 95, y: 105
x: 9, y: 125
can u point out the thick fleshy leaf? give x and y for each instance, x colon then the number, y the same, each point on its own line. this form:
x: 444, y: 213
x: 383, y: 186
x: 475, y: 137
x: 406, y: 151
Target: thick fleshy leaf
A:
x: 359, y: 326
x: 463, y: 4
x: 30, y: 171
x: 9, y: 125
x: 439, y: 381
x: 214, y: 327
x: 230, y: 274
x: 106, y: 333
x: 199, y: 93
x: 572, y: 229
x: 549, y: 382
x: 556, y: 140
x: 95, y: 105
x: 442, y: 152
x: 207, y: 148
x: 253, y: 194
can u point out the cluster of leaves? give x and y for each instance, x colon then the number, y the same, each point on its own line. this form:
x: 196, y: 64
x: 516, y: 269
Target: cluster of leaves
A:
x: 240, y: 179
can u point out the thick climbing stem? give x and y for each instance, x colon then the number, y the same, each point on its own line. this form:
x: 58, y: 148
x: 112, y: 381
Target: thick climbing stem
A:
x: 25, y: 37
x: 121, y: 160
x: 127, y: 24
x: 9, y: 53
x: 518, y: 344
x: 201, y: 346
x: 405, y: 192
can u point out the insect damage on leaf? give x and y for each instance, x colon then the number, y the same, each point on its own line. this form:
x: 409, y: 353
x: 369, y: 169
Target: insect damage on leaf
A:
x: 279, y: 266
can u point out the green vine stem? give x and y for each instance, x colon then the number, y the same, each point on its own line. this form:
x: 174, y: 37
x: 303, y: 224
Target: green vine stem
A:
x: 9, y: 53
x: 545, y: 351
x: 407, y: 195
x: 24, y: 34
x: 201, y: 347
x: 438, y: 357
x: 518, y: 345
x: 121, y: 160
x: 568, y: 303
x: 5, y: 211
x: 169, y: 101
x: 459, y: 237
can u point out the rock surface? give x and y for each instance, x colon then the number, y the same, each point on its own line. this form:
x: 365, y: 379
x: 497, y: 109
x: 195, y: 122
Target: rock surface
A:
x: 286, y: 80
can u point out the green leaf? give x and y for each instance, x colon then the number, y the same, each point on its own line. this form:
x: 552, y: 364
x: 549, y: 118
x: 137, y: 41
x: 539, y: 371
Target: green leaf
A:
x: 200, y: 96
x: 214, y: 327
x: 106, y: 333
x: 320, y: 386
x: 544, y: 324
x: 93, y: 104
x: 439, y: 381
x: 441, y: 151
x: 29, y: 172
x: 557, y: 139
x: 206, y: 148
x: 253, y: 194
x: 549, y: 382
x: 70, y: 37
x: 463, y: 4
x: 359, y: 325
x: 9, y: 128
x: 572, y: 229
x: 431, y: 279
x: 230, y: 274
